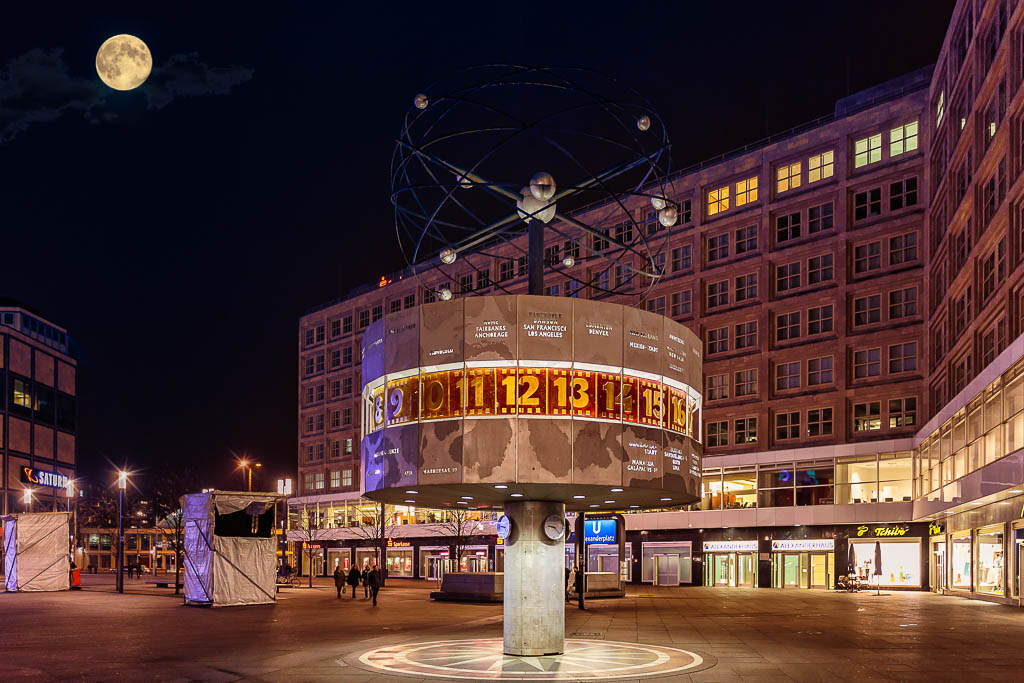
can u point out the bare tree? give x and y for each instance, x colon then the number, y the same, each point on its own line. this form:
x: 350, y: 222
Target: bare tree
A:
x: 458, y: 526
x: 164, y: 491
x: 309, y: 529
x: 377, y: 526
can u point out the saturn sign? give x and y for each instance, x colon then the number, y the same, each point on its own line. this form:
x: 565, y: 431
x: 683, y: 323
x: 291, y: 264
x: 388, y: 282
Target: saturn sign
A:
x: 30, y: 475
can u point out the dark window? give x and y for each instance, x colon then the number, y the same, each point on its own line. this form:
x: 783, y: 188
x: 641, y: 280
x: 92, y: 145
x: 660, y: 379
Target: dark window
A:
x: 681, y: 259
x: 746, y: 335
x: 787, y: 277
x: 746, y: 383
x: 903, y: 357
x: 819, y: 269
x: 45, y: 408
x: 902, y: 303
x: 819, y: 371
x: 867, y: 257
x: 867, y: 310
x: 787, y: 227
x: 787, y: 426
x: 682, y: 303
x: 746, y: 287
x: 718, y: 247
x: 819, y: 422
x: 718, y: 433
x: 819, y: 319
x: 867, y: 204
x: 718, y: 293
x: 787, y: 376
x: 903, y: 193
x: 867, y: 363
x: 746, y: 239
x: 66, y: 418
x: 903, y: 248
x: 819, y: 218
x: 718, y: 340
x: 787, y: 326
x: 902, y: 412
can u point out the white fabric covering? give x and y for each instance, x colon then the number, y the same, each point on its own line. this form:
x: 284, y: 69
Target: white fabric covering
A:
x: 36, y: 551
x: 222, y: 570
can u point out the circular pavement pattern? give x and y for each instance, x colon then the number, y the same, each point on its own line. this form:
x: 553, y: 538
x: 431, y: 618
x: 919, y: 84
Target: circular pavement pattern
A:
x: 483, y: 658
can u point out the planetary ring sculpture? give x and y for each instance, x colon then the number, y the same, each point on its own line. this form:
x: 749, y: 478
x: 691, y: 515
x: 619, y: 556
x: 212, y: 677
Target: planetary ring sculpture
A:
x: 497, y: 150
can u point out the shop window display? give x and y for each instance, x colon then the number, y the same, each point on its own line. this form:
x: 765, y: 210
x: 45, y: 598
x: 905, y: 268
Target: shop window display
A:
x: 901, y: 562
x: 990, y: 561
x: 960, y: 563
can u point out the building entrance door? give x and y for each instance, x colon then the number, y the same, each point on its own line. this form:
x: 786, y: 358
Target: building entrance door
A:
x: 821, y: 572
x: 937, y: 571
x: 746, y: 570
x: 435, y: 566
x: 666, y: 570
x: 791, y: 570
x: 476, y: 563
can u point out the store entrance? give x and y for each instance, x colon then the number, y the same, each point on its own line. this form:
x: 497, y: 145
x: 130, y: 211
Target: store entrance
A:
x: 730, y: 569
x: 937, y: 571
x: 435, y: 566
x: 803, y: 570
x: 666, y: 570
x: 475, y: 563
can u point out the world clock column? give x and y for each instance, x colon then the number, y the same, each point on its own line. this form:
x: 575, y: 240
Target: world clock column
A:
x: 534, y: 581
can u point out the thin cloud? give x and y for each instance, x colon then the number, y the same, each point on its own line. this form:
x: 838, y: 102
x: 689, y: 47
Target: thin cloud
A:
x: 37, y: 88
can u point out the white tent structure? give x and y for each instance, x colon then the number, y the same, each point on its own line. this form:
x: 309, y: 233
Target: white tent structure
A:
x: 230, y: 553
x: 36, y: 551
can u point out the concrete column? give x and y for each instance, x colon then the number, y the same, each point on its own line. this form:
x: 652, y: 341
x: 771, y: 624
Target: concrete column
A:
x: 534, y: 581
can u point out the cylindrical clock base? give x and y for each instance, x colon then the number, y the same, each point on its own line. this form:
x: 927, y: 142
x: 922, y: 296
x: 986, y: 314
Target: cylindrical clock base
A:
x: 534, y: 581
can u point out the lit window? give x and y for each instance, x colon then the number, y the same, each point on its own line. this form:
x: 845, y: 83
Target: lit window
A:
x: 335, y: 479
x: 867, y: 416
x: 346, y: 477
x: 902, y: 412
x: 319, y: 480
x: 22, y: 394
x: 867, y: 150
x: 903, y: 139
x: 940, y: 107
x: 746, y: 430
x: 788, y: 177
x: 746, y: 191
x: 718, y: 200
x: 820, y: 166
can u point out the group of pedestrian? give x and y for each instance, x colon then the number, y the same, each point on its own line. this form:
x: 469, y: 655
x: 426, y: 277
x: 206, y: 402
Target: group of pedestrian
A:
x: 369, y: 577
x: 134, y: 569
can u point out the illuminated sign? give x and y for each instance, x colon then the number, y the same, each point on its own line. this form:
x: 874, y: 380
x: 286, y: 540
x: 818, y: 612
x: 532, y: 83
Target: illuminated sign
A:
x: 934, y: 529
x: 729, y: 546
x: 599, y: 531
x: 416, y: 395
x: 883, y: 531
x: 804, y: 544
x: 398, y: 544
x: 30, y: 475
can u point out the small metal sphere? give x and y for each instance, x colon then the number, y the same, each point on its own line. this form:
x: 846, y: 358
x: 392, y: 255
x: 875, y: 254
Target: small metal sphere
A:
x: 643, y: 123
x: 463, y: 182
x: 530, y: 207
x: 420, y: 101
x: 569, y: 261
x: 542, y: 186
x: 448, y: 255
x: 445, y: 294
x: 668, y: 216
x: 658, y: 201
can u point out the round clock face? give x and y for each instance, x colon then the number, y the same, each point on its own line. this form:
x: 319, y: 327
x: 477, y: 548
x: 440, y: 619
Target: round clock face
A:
x: 504, y: 527
x: 554, y: 527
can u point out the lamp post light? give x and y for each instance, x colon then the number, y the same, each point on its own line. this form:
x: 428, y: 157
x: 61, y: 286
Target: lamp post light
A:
x: 27, y: 499
x: 122, y: 484
x: 247, y: 469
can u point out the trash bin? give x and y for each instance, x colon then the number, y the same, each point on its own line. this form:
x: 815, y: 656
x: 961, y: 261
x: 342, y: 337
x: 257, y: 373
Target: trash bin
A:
x: 76, y: 580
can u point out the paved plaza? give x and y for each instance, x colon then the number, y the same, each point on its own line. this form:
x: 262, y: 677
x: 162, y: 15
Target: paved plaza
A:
x: 723, y: 635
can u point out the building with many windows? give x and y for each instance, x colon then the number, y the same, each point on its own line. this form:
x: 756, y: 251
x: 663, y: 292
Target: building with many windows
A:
x: 38, y: 410
x: 858, y: 285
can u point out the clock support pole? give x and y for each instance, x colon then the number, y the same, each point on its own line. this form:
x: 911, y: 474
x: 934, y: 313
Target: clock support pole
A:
x: 534, y: 581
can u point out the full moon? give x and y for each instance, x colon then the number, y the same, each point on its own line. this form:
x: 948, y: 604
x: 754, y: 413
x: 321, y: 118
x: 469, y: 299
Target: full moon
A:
x: 123, y: 62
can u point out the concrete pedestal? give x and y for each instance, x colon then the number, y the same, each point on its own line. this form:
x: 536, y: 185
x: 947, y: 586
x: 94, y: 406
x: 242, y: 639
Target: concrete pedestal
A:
x: 534, y: 581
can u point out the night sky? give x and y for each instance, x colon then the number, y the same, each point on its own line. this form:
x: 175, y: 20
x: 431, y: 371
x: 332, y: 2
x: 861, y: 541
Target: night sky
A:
x: 179, y: 230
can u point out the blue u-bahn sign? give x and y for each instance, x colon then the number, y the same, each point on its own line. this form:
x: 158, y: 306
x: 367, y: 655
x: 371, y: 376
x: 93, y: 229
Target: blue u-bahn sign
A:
x: 599, y: 531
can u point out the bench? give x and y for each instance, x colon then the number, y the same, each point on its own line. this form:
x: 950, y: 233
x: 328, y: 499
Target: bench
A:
x: 165, y: 584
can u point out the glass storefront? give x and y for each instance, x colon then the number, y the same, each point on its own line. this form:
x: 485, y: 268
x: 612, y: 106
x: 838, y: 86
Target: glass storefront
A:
x: 339, y: 557
x: 667, y: 563
x: 991, y: 560
x: 365, y: 557
x: 803, y: 563
x: 901, y: 561
x: 960, y: 561
x: 399, y: 561
x: 474, y: 558
x: 730, y: 563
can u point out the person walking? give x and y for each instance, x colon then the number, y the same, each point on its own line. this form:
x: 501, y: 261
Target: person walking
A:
x: 570, y: 579
x: 353, y: 580
x: 373, y: 580
x: 365, y: 577
x: 339, y: 579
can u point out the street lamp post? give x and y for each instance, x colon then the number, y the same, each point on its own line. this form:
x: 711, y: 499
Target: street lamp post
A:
x: 122, y: 483
x: 247, y: 470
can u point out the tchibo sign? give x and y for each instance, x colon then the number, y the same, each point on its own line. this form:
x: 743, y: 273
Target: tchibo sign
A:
x: 30, y: 475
